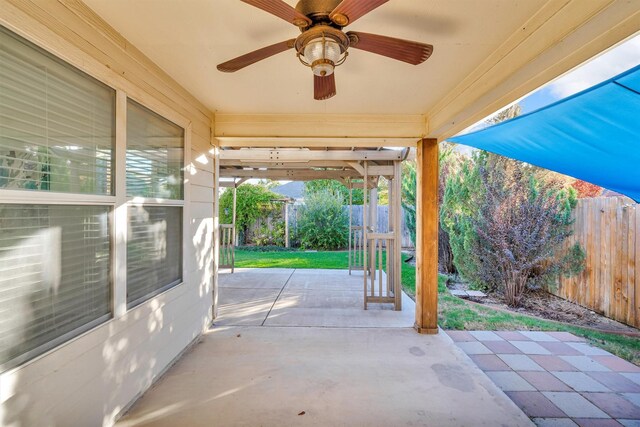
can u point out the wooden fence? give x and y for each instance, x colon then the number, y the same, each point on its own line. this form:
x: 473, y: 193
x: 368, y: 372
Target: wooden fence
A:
x: 608, y: 229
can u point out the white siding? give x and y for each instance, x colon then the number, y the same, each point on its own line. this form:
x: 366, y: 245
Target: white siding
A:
x: 91, y: 379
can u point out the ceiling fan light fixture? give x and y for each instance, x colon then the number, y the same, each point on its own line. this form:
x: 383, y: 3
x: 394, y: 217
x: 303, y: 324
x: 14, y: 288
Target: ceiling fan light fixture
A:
x: 322, y: 54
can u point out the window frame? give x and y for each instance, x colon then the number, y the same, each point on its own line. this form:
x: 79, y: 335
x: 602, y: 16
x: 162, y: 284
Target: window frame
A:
x: 118, y: 201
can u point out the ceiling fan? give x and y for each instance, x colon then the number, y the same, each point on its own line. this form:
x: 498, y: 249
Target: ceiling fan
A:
x: 323, y: 45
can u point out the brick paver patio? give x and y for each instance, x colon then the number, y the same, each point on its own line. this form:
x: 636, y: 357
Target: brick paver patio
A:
x: 556, y: 378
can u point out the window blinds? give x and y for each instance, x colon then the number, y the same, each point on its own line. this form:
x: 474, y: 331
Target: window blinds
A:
x: 56, y: 123
x: 54, y: 275
x: 154, y: 251
x: 154, y: 155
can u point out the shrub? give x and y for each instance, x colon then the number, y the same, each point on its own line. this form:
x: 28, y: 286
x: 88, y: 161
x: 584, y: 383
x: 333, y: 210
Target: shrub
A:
x: 270, y: 235
x: 252, y: 202
x: 323, y: 223
x: 507, y: 225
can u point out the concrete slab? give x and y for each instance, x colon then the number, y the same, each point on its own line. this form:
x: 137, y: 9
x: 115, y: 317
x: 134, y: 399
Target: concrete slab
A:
x: 326, y: 280
x: 324, y: 376
x: 245, y: 306
x: 255, y: 278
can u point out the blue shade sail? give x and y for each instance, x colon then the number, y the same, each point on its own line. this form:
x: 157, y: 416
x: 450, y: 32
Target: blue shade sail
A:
x: 593, y: 135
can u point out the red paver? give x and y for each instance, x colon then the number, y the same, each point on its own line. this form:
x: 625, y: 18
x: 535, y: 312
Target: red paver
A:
x: 461, y: 336
x: 614, y: 405
x: 544, y: 381
x: 615, y: 382
x: 596, y: 422
x: 566, y: 337
x: 616, y: 364
x: 553, y: 363
x: 501, y: 347
x: 512, y: 336
x: 489, y: 362
x: 559, y: 349
x: 535, y: 404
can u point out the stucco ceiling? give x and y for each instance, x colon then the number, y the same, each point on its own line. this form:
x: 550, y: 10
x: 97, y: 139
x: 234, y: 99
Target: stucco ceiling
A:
x: 188, y: 38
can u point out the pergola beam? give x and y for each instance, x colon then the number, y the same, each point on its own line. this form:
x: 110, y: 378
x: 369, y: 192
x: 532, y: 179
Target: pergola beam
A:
x: 288, y: 174
x: 318, y: 142
x: 286, y: 165
x: 278, y: 156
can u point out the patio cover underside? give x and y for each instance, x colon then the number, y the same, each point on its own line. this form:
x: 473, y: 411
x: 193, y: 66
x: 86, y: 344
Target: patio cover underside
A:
x: 593, y: 135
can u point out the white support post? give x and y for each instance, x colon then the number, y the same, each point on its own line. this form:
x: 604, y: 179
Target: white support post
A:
x: 216, y: 228
x: 373, y: 220
x: 365, y: 266
x: 233, y: 231
x: 350, y: 220
x: 286, y: 224
x: 397, y: 229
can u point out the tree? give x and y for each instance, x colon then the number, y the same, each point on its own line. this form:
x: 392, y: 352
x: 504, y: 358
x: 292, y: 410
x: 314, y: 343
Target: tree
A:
x: 323, y: 223
x: 252, y: 202
x: 586, y: 189
x: 450, y: 162
x: 508, y: 226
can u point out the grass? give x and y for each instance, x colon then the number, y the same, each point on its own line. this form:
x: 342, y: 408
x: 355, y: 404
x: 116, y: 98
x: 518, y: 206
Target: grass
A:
x: 453, y: 313
x: 298, y: 259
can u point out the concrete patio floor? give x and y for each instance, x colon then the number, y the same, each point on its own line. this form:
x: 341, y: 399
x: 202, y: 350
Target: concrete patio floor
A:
x: 295, y: 347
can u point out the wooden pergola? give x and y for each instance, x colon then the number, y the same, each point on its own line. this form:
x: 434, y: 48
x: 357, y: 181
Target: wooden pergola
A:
x: 357, y: 166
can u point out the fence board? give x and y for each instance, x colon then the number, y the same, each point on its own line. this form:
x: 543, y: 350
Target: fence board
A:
x: 608, y: 230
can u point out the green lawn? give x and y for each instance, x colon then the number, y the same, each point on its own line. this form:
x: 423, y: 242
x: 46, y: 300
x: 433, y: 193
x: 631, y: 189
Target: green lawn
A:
x: 297, y: 259
x: 453, y: 313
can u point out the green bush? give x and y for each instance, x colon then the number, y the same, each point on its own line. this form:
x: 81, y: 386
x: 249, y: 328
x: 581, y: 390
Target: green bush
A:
x: 252, y: 202
x: 323, y: 223
x: 270, y: 236
x: 507, y: 223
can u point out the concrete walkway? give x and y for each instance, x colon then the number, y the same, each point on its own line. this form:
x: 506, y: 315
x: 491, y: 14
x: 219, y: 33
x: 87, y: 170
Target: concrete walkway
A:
x: 556, y: 378
x: 296, y: 348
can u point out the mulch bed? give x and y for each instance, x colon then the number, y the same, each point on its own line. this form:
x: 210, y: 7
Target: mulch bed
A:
x: 547, y: 306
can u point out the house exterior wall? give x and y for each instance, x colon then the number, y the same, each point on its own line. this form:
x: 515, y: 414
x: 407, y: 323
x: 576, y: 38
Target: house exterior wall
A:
x: 91, y: 379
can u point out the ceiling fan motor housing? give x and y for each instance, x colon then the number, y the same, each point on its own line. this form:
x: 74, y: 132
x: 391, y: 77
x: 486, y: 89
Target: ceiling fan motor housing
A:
x: 318, y: 10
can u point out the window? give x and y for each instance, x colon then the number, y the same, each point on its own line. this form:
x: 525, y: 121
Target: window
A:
x: 57, y: 142
x: 155, y: 150
x: 58, y: 198
x: 56, y: 123
x: 54, y: 281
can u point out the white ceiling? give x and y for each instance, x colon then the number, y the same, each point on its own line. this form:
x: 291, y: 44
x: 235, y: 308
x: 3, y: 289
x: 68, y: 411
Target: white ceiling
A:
x: 188, y: 38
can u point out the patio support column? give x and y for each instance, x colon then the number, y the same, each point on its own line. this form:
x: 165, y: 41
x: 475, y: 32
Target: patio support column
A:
x: 427, y: 237
x: 216, y: 229
x: 395, y: 205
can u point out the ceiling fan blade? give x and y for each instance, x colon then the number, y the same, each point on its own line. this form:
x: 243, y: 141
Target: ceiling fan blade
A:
x: 255, y: 56
x: 403, y: 50
x: 350, y: 10
x: 282, y: 10
x: 324, y: 87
